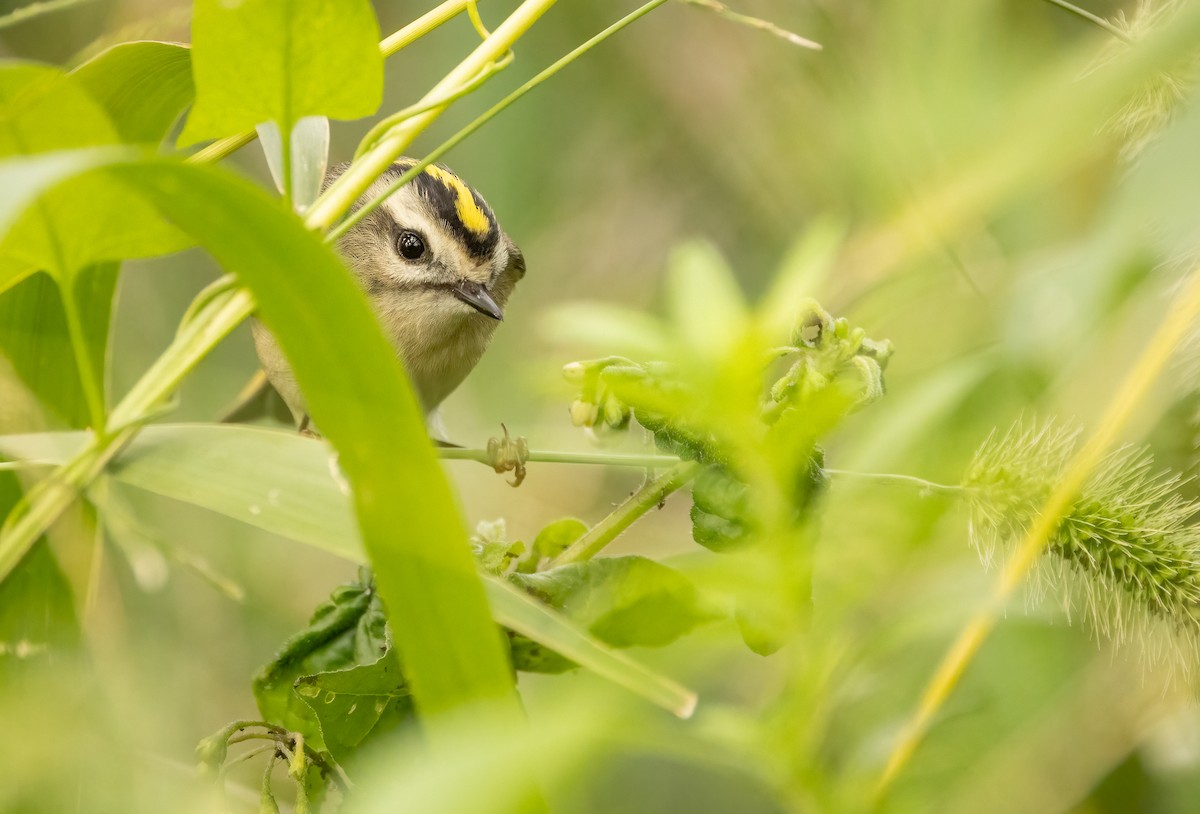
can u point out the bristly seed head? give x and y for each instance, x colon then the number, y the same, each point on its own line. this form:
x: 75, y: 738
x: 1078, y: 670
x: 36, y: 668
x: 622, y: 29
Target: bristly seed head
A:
x: 1127, y: 553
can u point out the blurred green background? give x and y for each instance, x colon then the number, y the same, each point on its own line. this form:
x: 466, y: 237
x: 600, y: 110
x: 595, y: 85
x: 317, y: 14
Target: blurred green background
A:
x: 1036, y: 255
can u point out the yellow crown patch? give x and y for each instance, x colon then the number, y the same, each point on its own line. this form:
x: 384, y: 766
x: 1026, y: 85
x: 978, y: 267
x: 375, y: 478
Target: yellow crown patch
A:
x: 472, y: 216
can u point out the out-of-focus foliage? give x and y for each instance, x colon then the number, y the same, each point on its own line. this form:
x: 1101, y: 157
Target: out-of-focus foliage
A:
x: 1006, y: 192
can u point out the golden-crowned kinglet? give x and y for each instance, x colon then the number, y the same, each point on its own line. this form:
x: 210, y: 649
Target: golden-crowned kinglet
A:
x: 438, y: 271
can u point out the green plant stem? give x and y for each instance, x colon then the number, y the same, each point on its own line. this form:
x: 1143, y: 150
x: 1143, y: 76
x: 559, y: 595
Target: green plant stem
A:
x: 647, y: 497
x: 1094, y: 19
x: 553, y: 457
x: 349, y: 187
x: 899, y: 480
x: 402, y: 38
x: 370, y: 206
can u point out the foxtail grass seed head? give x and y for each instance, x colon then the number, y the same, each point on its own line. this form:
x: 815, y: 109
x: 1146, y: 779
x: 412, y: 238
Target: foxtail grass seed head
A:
x: 1127, y: 553
x: 1139, y: 122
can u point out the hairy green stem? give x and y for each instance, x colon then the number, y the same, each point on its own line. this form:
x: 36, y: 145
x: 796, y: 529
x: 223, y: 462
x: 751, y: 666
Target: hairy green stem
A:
x: 643, y: 500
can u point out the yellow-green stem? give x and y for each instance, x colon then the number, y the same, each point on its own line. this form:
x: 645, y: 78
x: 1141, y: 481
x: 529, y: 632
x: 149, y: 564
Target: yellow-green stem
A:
x: 1128, y: 397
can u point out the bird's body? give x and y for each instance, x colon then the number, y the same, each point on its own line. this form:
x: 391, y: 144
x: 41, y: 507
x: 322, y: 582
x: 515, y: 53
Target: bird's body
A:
x: 438, y: 271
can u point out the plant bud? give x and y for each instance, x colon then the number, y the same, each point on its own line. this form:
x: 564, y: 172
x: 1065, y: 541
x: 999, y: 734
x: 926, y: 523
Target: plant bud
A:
x: 812, y: 324
x: 584, y: 413
x: 575, y: 372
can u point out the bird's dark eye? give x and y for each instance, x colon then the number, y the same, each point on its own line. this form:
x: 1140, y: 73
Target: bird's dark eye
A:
x: 410, y: 245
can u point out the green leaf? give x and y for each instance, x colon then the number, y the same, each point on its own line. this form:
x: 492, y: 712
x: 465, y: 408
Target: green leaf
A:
x: 719, y: 510
x: 279, y: 61
x: 553, y: 540
x: 339, y: 677
x: 143, y: 86
x: 281, y: 482
x: 91, y: 220
x: 624, y: 601
x: 351, y: 705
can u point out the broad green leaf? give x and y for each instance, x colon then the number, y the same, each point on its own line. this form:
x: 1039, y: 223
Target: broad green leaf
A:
x: 95, y: 218
x: 279, y: 61
x: 624, y: 601
x: 352, y: 705
x: 281, y: 482
x: 143, y: 86
x: 339, y: 677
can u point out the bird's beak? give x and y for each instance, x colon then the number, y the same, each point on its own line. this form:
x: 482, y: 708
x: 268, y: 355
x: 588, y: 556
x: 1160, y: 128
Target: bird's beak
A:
x: 478, y: 297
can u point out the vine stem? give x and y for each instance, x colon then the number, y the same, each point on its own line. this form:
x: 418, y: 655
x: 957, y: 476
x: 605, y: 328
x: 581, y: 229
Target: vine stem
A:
x: 645, y: 498
x: 1128, y: 396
